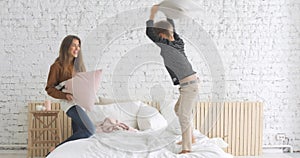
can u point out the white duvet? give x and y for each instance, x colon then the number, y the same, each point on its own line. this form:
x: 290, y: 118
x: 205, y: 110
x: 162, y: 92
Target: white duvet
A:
x: 146, y: 144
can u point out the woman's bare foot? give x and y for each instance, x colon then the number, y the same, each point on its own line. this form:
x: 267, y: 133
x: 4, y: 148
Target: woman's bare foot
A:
x: 51, y: 149
x: 193, y: 141
x: 185, y: 151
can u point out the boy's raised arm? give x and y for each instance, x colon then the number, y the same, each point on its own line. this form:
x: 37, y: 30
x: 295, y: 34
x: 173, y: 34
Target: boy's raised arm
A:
x: 150, y: 32
x: 150, y: 24
x: 154, y: 10
x: 171, y: 21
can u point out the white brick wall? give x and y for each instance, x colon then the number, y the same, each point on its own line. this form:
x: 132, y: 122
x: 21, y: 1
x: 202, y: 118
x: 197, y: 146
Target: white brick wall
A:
x: 257, y: 41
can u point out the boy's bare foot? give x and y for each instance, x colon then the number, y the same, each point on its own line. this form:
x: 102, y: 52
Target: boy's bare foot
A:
x: 185, y: 151
x: 193, y: 141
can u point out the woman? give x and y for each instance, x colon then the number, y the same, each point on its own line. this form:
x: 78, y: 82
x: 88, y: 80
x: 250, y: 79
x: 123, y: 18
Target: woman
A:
x: 68, y: 63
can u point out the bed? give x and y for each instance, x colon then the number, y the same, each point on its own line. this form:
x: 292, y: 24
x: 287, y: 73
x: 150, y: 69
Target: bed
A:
x: 157, y: 136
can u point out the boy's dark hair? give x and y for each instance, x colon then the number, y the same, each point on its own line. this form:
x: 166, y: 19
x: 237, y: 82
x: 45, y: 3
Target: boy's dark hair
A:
x: 163, y: 27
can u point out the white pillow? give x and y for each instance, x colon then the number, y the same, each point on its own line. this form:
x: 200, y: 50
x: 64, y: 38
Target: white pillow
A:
x: 149, y: 118
x: 104, y: 101
x: 167, y: 111
x: 176, y: 9
x: 83, y: 86
x: 124, y: 112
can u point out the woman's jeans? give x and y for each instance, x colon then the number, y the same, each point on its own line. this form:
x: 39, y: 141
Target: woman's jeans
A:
x: 82, y: 126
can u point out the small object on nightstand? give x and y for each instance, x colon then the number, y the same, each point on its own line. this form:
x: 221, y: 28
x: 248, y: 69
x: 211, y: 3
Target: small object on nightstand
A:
x: 39, y: 108
x: 47, y: 105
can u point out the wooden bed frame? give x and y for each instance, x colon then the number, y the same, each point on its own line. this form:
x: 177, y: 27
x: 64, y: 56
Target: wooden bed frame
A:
x: 238, y: 123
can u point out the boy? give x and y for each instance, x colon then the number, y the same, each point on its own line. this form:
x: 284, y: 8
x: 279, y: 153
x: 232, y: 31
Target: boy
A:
x: 172, y: 50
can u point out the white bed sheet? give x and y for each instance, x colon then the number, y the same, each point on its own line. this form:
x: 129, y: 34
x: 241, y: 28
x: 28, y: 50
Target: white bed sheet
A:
x: 151, y: 144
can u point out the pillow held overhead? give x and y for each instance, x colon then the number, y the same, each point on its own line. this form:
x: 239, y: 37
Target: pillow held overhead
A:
x: 176, y: 9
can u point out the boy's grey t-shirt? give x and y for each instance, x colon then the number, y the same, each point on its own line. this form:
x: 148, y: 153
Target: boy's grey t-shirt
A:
x: 173, y: 54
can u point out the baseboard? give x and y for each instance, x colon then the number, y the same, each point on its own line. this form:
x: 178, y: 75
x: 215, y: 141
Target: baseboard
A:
x: 13, y: 147
x: 13, y: 151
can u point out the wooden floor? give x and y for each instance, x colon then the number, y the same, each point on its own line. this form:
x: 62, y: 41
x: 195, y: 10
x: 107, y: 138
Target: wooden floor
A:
x: 22, y: 154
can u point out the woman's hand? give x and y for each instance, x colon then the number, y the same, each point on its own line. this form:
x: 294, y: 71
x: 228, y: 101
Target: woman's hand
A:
x: 69, y: 97
x: 154, y: 10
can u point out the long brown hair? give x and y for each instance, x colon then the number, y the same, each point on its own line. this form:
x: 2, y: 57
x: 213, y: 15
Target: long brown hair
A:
x: 64, y: 55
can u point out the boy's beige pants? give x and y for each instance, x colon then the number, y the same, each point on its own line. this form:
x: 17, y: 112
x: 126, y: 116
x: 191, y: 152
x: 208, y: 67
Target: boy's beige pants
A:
x: 184, y: 110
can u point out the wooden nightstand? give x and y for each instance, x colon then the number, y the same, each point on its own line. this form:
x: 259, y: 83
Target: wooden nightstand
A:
x: 44, y: 132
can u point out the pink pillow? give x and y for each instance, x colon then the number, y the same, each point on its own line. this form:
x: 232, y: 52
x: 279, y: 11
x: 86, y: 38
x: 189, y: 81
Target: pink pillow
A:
x: 83, y: 86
